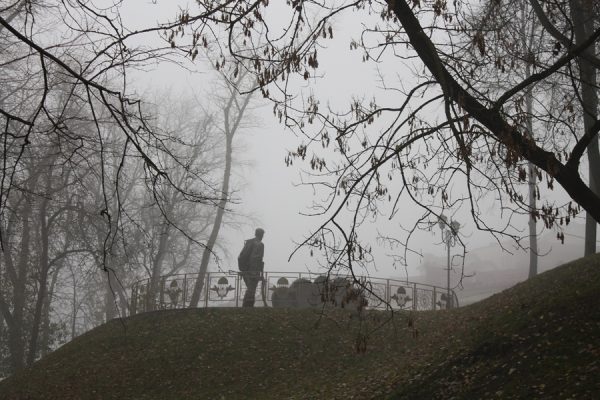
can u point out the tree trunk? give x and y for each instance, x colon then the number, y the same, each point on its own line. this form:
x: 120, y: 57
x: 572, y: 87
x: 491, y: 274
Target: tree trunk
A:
x: 533, y: 242
x: 157, y: 266
x: 74, y: 310
x: 16, y: 341
x: 123, y: 299
x: 19, y: 274
x: 230, y: 130
x: 45, y: 342
x: 43, y: 269
x: 110, y: 310
x: 587, y: 72
x: 214, y: 233
x: 528, y: 37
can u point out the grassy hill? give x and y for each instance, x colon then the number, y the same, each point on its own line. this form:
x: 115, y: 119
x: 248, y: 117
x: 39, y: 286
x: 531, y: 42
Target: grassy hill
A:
x: 539, y: 339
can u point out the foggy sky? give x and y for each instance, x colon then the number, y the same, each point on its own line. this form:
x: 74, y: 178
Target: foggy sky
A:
x: 268, y: 190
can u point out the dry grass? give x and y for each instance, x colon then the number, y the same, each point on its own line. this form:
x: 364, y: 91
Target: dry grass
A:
x: 540, y: 339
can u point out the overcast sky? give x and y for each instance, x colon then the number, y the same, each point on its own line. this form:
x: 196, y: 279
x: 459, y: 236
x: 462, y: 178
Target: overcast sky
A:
x: 269, y: 190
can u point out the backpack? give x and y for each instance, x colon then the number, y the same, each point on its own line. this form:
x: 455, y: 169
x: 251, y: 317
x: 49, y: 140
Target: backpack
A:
x: 244, y: 257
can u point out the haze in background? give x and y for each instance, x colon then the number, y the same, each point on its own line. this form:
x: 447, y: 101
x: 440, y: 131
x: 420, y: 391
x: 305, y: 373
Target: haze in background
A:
x: 269, y: 194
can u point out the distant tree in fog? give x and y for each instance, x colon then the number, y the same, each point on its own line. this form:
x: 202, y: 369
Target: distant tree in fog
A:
x: 79, y: 153
x: 234, y: 112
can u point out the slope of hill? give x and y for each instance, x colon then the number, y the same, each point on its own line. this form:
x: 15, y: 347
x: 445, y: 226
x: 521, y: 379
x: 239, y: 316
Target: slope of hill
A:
x: 540, y: 339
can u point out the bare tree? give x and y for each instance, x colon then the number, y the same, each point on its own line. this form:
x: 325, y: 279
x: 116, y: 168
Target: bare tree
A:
x: 72, y: 135
x: 173, y: 228
x: 517, y: 43
x: 234, y: 110
x: 91, y: 64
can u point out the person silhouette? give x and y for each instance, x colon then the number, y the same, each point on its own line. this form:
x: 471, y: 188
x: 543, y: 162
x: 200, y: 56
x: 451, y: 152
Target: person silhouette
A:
x: 252, y: 270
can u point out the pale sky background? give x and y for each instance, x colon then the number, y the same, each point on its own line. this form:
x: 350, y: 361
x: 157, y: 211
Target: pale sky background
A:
x: 269, y: 192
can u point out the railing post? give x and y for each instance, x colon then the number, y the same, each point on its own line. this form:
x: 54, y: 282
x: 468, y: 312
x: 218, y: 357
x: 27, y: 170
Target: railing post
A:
x: 434, y: 297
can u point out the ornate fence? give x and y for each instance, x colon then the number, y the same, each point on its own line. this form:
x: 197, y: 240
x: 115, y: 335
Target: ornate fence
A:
x: 227, y: 289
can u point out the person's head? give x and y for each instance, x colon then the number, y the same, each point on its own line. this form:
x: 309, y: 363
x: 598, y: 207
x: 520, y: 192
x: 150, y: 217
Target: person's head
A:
x: 259, y: 233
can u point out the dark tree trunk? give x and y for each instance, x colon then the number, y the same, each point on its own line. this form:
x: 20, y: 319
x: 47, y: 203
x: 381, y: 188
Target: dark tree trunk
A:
x: 16, y: 337
x: 45, y: 341
x: 74, y: 310
x: 43, y: 269
x: 583, y: 25
x: 157, y: 266
x: 214, y: 233
x: 110, y: 309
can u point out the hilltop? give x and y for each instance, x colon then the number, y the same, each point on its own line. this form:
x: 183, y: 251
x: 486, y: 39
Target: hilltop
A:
x: 539, y: 339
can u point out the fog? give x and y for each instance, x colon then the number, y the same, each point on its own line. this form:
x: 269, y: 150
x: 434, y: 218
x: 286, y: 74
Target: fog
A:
x: 274, y: 196
x: 138, y: 162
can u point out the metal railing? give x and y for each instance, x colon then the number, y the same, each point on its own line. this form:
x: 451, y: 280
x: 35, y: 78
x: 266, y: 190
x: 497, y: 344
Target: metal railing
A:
x: 227, y: 289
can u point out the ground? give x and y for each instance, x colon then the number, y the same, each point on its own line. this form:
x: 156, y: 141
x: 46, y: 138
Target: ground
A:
x: 539, y: 339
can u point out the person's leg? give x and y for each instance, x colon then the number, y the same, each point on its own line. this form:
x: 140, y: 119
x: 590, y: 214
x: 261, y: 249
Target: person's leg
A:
x: 251, y: 283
